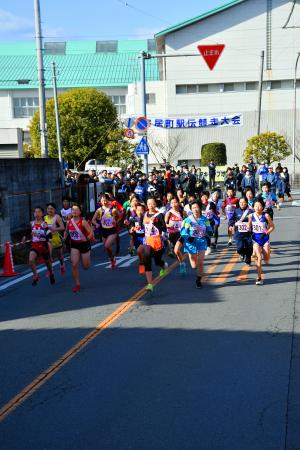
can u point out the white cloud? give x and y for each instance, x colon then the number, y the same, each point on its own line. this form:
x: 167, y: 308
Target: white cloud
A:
x: 12, y: 23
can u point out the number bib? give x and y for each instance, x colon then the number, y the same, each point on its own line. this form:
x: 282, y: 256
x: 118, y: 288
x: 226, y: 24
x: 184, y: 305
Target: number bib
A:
x: 176, y: 224
x: 74, y: 235
x: 107, y: 222
x: 208, y: 214
x: 259, y: 227
x: 242, y: 227
x: 151, y: 230
x: 198, y: 231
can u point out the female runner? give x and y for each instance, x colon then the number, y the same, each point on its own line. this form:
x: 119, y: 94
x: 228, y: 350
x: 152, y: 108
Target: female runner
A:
x: 261, y: 225
x: 55, y: 225
x: 40, y: 235
x: 193, y: 232
x: 81, y: 234
x: 243, y: 237
x: 154, y: 225
x: 109, y: 217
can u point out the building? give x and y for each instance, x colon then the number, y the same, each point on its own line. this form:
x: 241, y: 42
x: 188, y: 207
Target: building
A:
x: 189, y: 90
x: 109, y: 66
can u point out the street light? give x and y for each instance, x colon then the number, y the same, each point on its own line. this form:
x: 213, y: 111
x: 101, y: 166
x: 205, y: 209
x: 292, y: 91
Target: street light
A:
x: 295, y: 115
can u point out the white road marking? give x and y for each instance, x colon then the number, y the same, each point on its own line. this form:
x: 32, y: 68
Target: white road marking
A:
x: 122, y: 261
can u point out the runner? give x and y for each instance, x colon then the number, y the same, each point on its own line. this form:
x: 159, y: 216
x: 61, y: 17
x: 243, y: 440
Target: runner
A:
x: 228, y: 207
x: 55, y: 225
x: 40, y: 235
x: 209, y: 210
x: 193, y: 233
x: 136, y: 228
x: 154, y: 224
x: 109, y: 217
x: 243, y: 236
x: 215, y: 198
x: 261, y: 225
x: 81, y: 234
x: 173, y: 219
x: 66, y: 211
x: 130, y: 214
x: 269, y: 198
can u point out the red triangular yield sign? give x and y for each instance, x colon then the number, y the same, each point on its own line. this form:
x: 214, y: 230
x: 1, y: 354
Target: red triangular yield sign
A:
x: 211, y: 53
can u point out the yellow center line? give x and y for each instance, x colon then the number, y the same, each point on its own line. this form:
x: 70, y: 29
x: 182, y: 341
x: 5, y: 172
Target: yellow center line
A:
x: 215, y: 264
x: 64, y: 359
x: 242, y: 277
x: 227, y: 270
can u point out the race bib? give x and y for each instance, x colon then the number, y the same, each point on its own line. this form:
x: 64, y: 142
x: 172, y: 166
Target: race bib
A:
x: 198, y: 231
x: 151, y: 230
x: 259, y: 228
x: 176, y: 224
x: 107, y: 222
x: 74, y: 235
x: 38, y: 235
x: 209, y: 215
x: 242, y: 227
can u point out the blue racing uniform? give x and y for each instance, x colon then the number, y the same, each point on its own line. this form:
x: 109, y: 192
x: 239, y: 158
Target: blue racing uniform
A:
x: 194, y: 232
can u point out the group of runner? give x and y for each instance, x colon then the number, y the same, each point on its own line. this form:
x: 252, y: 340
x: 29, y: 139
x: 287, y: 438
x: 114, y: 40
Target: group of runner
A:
x: 177, y: 224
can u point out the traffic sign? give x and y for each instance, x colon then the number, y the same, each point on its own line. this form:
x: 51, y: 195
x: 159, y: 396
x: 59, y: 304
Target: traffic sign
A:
x: 143, y: 147
x: 211, y: 53
x: 129, y: 133
x: 142, y: 124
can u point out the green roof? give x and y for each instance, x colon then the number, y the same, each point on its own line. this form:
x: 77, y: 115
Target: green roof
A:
x: 80, y: 66
x: 198, y: 18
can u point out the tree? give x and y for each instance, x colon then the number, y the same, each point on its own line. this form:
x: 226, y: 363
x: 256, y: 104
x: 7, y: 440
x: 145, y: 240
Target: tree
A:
x: 215, y: 151
x: 120, y: 152
x: 86, y: 118
x: 268, y: 146
x: 167, y: 148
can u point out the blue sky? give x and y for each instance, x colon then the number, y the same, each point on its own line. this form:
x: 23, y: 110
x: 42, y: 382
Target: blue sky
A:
x: 96, y: 19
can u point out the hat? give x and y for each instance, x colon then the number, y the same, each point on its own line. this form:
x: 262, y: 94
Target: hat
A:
x: 270, y: 167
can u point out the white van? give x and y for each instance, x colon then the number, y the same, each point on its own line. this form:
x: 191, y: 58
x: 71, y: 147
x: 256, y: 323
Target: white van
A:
x: 95, y: 164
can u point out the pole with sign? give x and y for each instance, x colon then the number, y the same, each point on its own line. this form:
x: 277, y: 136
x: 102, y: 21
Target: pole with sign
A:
x: 144, y: 56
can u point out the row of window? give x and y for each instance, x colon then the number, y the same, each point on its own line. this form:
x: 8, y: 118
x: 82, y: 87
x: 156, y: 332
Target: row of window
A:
x: 234, y: 87
x: 111, y: 46
x: 27, y: 106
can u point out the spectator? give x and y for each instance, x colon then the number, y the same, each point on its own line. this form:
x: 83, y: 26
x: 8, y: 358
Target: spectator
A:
x: 211, y: 174
x: 249, y: 181
x: 272, y: 178
x: 262, y: 173
x: 252, y: 166
x: 240, y: 177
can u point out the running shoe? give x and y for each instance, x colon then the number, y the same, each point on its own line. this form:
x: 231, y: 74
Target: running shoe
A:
x: 35, y: 281
x: 248, y: 261
x: 259, y: 282
x: 62, y: 269
x: 208, y: 251
x: 76, y: 288
x: 141, y: 269
x: 198, y: 283
x: 242, y: 258
x: 182, y: 268
x: 113, y: 263
x: 132, y: 251
x: 229, y: 244
x: 51, y: 278
x: 163, y: 270
x: 149, y: 287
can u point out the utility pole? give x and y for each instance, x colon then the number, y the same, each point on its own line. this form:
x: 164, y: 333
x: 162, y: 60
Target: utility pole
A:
x: 60, y: 158
x: 260, y: 90
x: 295, y: 115
x: 41, y: 79
x: 144, y: 56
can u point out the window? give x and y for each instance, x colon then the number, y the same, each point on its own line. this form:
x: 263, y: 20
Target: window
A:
x: 25, y: 106
x: 181, y: 89
x: 251, y: 85
x: 228, y: 87
x: 55, y: 48
x: 107, y: 46
x: 203, y: 88
x: 215, y: 87
x: 276, y: 84
x: 150, y: 99
x: 120, y: 103
x: 192, y: 88
x: 151, y: 45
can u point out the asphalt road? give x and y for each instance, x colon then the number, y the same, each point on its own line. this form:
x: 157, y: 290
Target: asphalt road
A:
x: 113, y: 368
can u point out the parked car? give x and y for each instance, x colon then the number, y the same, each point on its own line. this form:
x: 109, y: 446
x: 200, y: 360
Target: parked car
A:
x: 99, y: 166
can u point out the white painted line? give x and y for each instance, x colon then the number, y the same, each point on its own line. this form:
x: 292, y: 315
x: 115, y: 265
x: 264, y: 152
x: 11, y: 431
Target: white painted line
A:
x: 284, y: 217
x: 43, y: 269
